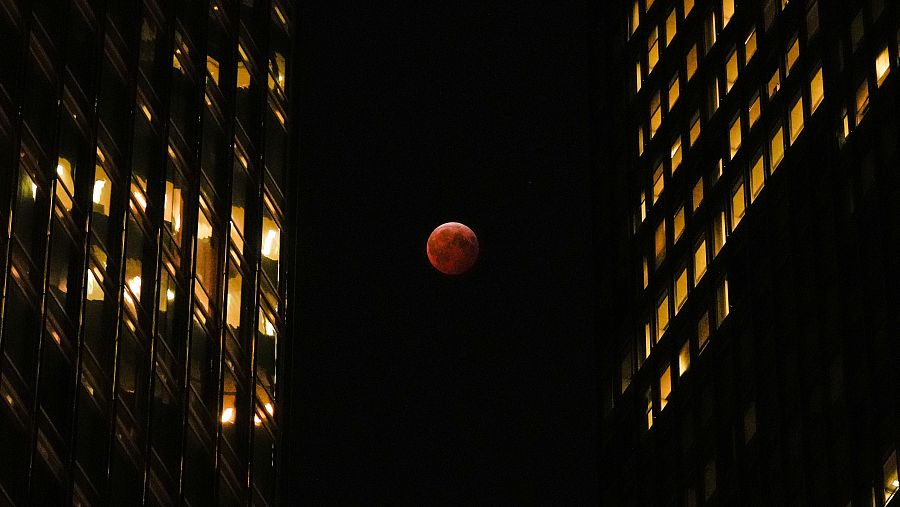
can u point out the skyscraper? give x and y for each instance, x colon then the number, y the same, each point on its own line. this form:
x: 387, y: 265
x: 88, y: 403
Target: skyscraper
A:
x: 145, y: 184
x: 752, y: 357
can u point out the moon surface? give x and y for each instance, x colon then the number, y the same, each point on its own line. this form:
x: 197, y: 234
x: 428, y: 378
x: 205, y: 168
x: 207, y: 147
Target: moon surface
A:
x: 452, y: 248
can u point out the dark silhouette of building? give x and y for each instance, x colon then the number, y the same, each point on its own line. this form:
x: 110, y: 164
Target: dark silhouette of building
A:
x: 144, y: 176
x: 754, y: 314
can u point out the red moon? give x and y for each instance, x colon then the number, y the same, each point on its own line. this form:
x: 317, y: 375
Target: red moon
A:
x: 452, y: 248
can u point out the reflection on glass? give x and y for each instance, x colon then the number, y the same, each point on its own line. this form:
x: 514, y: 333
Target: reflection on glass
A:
x: 66, y: 187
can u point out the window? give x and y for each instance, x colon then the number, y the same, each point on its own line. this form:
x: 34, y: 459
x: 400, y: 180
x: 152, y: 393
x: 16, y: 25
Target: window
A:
x: 713, y: 99
x: 635, y: 17
x: 753, y: 111
x: 793, y: 54
x: 658, y: 182
x: 703, y: 331
x: 678, y: 224
x: 642, y: 210
x: 727, y: 11
x: 695, y: 128
x: 796, y: 118
x: 757, y: 177
x: 662, y: 315
x: 697, y: 194
x: 691, y: 62
x: 681, y: 290
x: 652, y: 49
x: 674, y: 92
x: 627, y: 370
x: 731, y: 71
x: 862, y: 101
x: 749, y: 423
x: 882, y: 66
x: 719, y: 232
x: 645, y: 271
x: 709, y: 479
x: 665, y: 387
x: 675, y: 154
x: 637, y: 74
x: 774, y: 84
x: 671, y: 26
x: 737, y: 204
x: 688, y: 6
x: 655, y: 114
x: 699, y: 261
x: 776, y: 149
x: 710, y: 31
x: 750, y: 46
x: 648, y: 340
x: 812, y: 20
x: 660, y: 242
x: 734, y: 136
x: 723, y: 305
x: 640, y: 140
x: 684, y: 358
x: 648, y: 411
x: 856, y: 32
x: 769, y: 13
x: 816, y: 91
x: 889, y: 477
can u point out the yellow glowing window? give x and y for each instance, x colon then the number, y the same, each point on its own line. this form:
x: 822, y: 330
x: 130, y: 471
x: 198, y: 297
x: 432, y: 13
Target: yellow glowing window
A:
x: 695, y: 129
x: 665, y: 387
x: 734, y: 136
x: 645, y: 271
x: 727, y: 11
x: 731, y: 71
x: 635, y: 16
x: 674, y: 92
x: 637, y: 75
x: 655, y: 114
x: 688, y: 6
x: 684, y: 358
x: 640, y: 140
x: 753, y: 111
x: 699, y: 261
x: 681, y: 290
x: 862, y: 101
x: 101, y: 192
x: 649, y: 4
x: 678, y: 224
x: 720, y: 233
x: 738, y: 205
x: 816, y: 91
x: 66, y: 184
x: 703, y: 331
x: 691, y: 62
x: 750, y: 46
x: 697, y: 194
x: 793, y: 54
x: 710, y: 31
x: 890, y: 478
x: 671, y: 26
x: 648, y: 340
x: 649, y: 410
x: 723, y: 304
x: 652, y: 49
x: 212, y: 67
x: 271, y: 239
x: 774, y: 84
x: 675, y: 154
x: 757, y: 178
x: 660, y: 242
x: 662, y: 316
x: 796, y: 118
x: 776, y: 149
x: 882, y: 66
x: 658, y: 182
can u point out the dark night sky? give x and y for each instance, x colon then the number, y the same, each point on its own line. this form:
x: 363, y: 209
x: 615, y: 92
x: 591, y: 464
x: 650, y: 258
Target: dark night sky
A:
x: 412, y: 387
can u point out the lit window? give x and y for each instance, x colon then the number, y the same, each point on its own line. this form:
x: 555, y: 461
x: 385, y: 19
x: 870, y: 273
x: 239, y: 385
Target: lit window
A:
x: 891, y: 481
x: 660, y: 242
x: 697, y: 194
x: 737, y: 205
x: 655, y: 114
x: 684, y: 358
x: 703, y: 331
x: 648, y: 414
x: 645, y: 271
x: 638, y: 79
x: 648, y: 340
x: 719, y: 233
x: 734, y: 136
x: 649, y: 4
x: 681, y: 290
x: 731, y: 71
x: 643, y: 207
x: 691, y: 62
x: 212, y: 67
x: 699, y: 261
x: 753, y: 111
x: 776, y: 149
x: 671, y: 26
x: 675, y: 154
x: 710, y: 30
x: 882, y: 66
x: 665, y: 387
x: 271, y: 239
x: 856, y: 31
x: 845, y: 123
x: 678, y: 224
x: 695, y: 128
x: 727, y: 11
x: 65, y: 187
x: 812, y: 20
x: 652, y: 49
x: 750, y: 46
x: 713, y: 97
x: 674, y: 92
x: 793, y: 54
x: 627, y: 370
x: 796, y: 118
x: 862, y: 101
x: 816, y: 91
x: 774, y: 84
x: 658, y: 182
x: 723, y: 305
x: 662, y: 316
x: 640, y: 140
x: 688, y: 6
x: 757, y: 178
x: 635, y: 16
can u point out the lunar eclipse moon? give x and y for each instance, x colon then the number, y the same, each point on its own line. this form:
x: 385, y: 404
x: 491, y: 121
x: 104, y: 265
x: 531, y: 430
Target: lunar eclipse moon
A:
x: 452, y: 248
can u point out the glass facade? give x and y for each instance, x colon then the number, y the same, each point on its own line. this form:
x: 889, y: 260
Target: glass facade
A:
x: 144, y: 159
